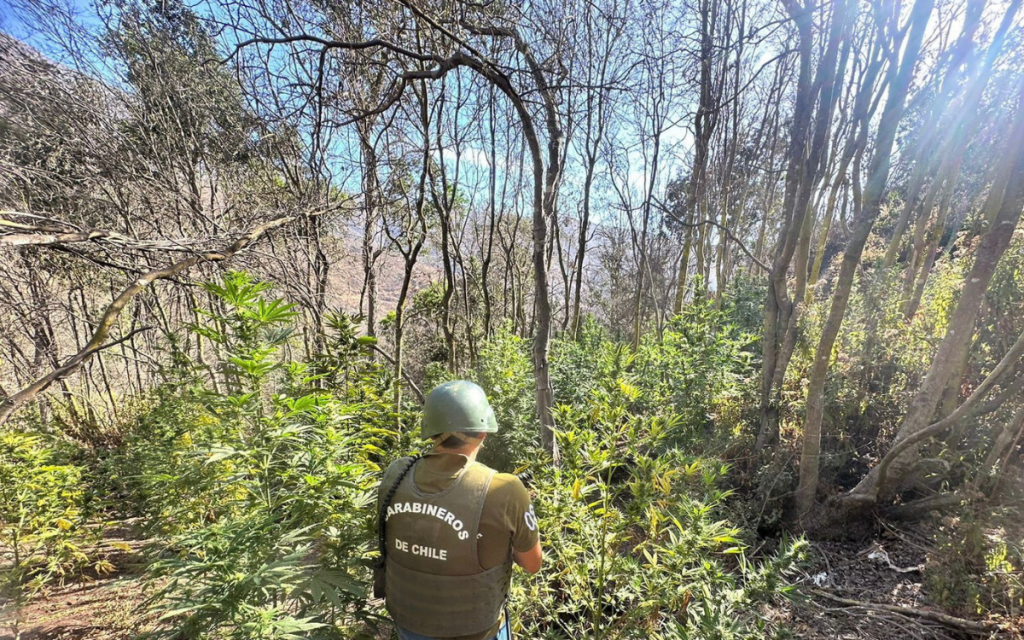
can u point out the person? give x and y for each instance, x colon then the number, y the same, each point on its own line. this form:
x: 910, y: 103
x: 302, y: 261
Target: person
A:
x: 453, y: 527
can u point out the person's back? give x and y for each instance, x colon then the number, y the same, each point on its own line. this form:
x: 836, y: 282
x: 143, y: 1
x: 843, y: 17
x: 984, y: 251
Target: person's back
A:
x: 454, y: 527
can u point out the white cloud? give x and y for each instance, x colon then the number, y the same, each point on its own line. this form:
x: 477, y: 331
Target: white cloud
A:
x: 471, y: 156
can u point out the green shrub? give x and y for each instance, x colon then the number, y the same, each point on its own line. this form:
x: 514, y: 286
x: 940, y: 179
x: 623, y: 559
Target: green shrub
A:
x: 42, y: 526
x: 976, y: 570
x: 636, y: 545
x: 256, y: 476
x: 285, y: 553
x: 743, y: 303
x: 504, y: 369
x: 591, y: 362
x: 266, y: 514
x: 700, y: 366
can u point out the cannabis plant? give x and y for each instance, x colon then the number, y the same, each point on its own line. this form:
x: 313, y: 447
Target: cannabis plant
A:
x: 637, y: 544
x: 42, y: 528
x: 275, y: 528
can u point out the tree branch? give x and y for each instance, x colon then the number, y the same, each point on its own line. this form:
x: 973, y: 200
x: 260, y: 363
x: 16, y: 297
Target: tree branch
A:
x: 723, y: 228
x: 50, y: 235
x: 389, y: 358
x: 935, y: 616
x: 98, y: 341
x: 1011, y: 357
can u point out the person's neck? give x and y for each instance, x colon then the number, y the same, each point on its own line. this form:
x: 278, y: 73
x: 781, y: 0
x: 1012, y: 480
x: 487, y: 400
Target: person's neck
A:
x: 469, y: 453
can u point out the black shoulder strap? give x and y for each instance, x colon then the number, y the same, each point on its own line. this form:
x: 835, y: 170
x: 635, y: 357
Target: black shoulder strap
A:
x: 382, y: 516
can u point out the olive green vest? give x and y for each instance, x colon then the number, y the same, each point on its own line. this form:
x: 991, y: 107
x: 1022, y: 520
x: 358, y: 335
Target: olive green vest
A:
x: 435, y: 585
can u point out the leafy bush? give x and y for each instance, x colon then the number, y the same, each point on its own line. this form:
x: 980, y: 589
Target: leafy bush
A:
x: 42, y: 526
x: 504, y: 369
x: 256, y: 476
x: 578, y: 367
x: 268, y: 513
x: 635, y: 542
x: 743, y: 303
x: 701, y: 364
x: 974, y: 570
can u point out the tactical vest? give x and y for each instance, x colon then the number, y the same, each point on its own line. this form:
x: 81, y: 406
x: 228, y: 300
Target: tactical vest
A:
x: 435, y: 584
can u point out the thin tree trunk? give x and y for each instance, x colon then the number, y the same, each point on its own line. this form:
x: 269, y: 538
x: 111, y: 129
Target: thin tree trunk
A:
x: 778, y: 305
x: 704, y: 126
x: 987, y: 256
x: 878, y: 176
x: 368, y: 298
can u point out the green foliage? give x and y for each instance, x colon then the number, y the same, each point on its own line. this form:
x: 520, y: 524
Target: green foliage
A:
x: 256, y: 477
x: 701, y: 364
x: 42, y: 526
x: 878, y: 361
x: 267, y: 507
x: 974, y: 570
x: 170, y: 487
x: 637, y: 545
x: 701, y: 367
x: 505, y: 371
x: 346, y: 363
x: 581, y: 366
x: 743, y: 304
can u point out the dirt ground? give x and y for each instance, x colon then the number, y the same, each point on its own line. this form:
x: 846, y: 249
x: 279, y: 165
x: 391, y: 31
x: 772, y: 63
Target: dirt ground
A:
x: 887, y: 571
x: 105, y: 607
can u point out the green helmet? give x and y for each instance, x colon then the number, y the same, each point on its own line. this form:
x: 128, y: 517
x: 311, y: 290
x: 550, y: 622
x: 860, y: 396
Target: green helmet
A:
x: 459, y: 405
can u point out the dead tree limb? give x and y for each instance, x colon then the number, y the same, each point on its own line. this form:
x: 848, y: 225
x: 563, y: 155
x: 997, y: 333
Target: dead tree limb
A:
x: 405, y: 375
x: 972, y: 626
x: 739, y: 243
x: 49, y: 235
x: 98, y: 341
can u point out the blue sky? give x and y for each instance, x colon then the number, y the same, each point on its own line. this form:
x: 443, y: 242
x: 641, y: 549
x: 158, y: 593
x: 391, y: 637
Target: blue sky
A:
x: 475, y: 163
x: 28, y: 30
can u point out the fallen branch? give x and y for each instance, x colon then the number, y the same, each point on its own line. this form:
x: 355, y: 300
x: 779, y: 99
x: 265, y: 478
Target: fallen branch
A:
x: 972, y: 626
x: 98, y: 341
x: 51, y: 235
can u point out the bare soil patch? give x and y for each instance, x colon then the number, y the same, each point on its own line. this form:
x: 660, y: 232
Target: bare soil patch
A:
x: 97, y: 607
x: 884, y: 574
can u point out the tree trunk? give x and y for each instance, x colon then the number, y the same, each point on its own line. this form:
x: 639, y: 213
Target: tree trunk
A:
x: 878, y: 176
x: 931, y: 131
x: 368, y: 299
x: 961, y: 326
x: 778, y: 305
x: 704, y: 126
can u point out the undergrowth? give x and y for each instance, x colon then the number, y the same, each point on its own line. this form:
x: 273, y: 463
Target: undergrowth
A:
x: 255, y: 476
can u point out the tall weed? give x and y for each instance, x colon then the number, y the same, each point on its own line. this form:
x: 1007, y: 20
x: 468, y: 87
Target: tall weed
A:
x: 636, y: 538
x: 271, y: 483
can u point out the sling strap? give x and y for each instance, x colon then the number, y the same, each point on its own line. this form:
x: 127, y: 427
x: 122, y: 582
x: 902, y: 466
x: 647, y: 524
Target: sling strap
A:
x: 382, y: 520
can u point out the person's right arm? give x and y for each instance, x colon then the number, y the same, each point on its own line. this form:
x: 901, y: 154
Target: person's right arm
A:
x: 530, y: 560
x: 526, y: 550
